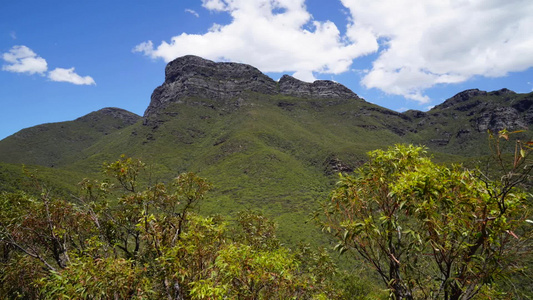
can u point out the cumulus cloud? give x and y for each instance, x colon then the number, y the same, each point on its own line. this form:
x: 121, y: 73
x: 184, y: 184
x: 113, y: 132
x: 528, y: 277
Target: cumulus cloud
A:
x: 443, y: 42
x: 21, y: 59
x: 273, y: 35
x: 192, y: 12
x: 217, y: 5
x: 418, y: 44
x: 68, y: 75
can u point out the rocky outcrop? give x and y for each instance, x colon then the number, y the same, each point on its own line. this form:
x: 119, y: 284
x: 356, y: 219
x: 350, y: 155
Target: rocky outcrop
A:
x: 194, y: 77
x: 500, y: 118
x: 461, y: 97
x: 502, y: 92
x: 415, y: 114
x: 334, y: 165
x: 494, y: 111
x: 320, y: 89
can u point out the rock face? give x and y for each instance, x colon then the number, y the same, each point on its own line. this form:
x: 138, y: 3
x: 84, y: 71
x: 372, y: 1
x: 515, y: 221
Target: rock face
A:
x: 192, y: 76
x: 499, y: 118
x: 494, y: 111
x: 461, y: 97
x: 324, y: 89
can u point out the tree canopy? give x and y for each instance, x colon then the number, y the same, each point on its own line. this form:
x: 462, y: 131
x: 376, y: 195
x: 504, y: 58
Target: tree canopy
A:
x: 124, y: 241
x: 429, y: 231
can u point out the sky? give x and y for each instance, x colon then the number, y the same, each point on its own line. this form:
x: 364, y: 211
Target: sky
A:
x: 63, y: 59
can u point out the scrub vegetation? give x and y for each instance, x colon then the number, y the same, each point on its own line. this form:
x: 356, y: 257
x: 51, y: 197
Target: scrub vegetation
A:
x: 403, y: 227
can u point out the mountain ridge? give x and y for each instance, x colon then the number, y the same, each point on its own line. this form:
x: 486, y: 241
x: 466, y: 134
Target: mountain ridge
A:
x: 266, y: 145
x: 193, y: 76
x: 226, y: 86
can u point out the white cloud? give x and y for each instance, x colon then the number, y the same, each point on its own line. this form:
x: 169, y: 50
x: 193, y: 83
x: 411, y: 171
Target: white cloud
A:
x: 273, y: 35
x: 68, y: 75
x: 443, y: 42
x: 217, y: 5
x: 145, y: 47
x: 192, y: 12
x: 22, y: 59
x: 304, y: 76
x: 419, y: 44
x: 13, y: 35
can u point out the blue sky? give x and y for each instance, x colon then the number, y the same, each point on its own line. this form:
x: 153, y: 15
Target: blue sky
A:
x: 60, y: 60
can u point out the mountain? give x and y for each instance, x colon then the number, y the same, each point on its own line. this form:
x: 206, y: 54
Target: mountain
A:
x: 267, y: 145
x: 61, y: 143
x: 460, y: 124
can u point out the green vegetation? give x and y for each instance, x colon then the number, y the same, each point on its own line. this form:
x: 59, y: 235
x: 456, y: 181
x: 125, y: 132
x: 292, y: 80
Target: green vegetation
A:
x: 430, y: 231
x: 272, y: 154
x: 59, y: 144
x: 147, y: 244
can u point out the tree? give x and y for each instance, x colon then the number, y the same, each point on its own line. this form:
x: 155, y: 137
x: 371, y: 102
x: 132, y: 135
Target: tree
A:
x: 129, y: 241
x: 429, y: 231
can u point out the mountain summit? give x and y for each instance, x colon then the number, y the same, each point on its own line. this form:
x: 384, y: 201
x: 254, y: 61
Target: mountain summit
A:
x: 193, y: 76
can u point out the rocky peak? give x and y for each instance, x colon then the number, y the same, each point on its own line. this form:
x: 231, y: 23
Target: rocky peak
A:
x: 502, y: 92
x: 461, y: 97
x: 192, y: 76
x: 191, y: 69
x: 326, y: 89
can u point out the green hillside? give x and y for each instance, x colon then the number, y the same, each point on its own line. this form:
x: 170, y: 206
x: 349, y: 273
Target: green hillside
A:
x: 272, y: 146
x: 276, y: 154
x: 58, y: 144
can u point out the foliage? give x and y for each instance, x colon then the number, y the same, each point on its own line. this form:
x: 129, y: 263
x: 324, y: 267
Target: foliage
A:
x: 100, y: 278
x: 429, y: 231
x: 259, y: 155
x: 126, y: 241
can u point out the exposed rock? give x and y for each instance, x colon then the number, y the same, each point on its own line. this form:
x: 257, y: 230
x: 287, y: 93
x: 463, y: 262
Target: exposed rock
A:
x: 194, y: 77
x: 335, y: 165
x: 523, y: 105
x: 368, y: 127
x: 468, y: 106
x: 286, y: 105
x: 461, y: 97
x: 462, y: 133
x: 502, y: 92
x: 500, y: 118
x: 320, y: 89
x: 417, y: 114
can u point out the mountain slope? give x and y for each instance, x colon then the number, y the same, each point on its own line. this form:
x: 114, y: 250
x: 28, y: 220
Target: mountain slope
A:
x: 460, y: 124
x: 58, y: 144
x: 273, y: 146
